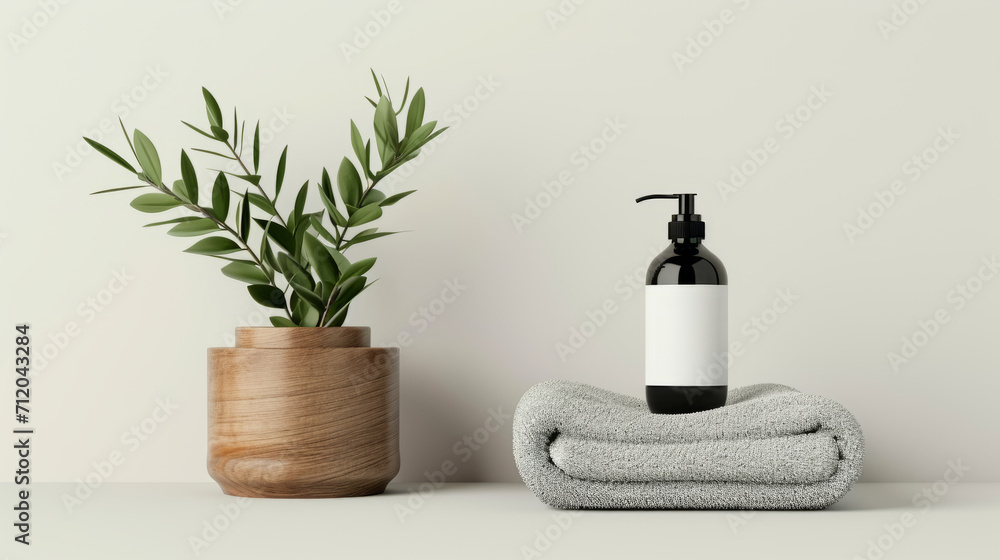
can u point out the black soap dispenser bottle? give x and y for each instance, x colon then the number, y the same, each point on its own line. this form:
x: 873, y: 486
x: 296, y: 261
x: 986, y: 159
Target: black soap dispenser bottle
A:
x: 687, y: 316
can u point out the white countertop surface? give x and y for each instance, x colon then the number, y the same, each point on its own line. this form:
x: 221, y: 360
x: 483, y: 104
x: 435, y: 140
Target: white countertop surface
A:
x: 486, y: 520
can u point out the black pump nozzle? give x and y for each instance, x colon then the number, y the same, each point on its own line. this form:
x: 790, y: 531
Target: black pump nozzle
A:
x: 685, y: 224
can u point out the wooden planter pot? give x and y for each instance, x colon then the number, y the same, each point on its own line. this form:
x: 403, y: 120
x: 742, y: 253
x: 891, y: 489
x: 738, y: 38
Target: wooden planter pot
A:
x: 303, y: 413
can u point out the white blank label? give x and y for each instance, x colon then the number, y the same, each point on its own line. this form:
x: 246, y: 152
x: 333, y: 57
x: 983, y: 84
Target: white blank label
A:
x: 687, y: 335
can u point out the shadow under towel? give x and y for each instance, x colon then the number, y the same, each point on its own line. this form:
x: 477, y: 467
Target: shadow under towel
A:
x: 770, y: 447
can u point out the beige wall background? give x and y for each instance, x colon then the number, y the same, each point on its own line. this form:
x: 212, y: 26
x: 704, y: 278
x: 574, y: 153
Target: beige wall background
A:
x: 844, y: 154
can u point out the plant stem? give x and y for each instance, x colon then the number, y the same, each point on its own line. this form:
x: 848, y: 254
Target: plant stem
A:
x: 239, y: 160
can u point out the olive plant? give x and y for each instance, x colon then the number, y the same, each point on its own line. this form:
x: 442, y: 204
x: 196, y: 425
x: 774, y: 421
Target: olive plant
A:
x: 299, y: 264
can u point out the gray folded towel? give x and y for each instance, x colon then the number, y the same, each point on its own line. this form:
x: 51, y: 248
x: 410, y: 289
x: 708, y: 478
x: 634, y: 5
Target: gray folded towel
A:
x: 770, y: 447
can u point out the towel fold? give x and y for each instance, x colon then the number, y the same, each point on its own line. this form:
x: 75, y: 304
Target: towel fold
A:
x: 770, y: 447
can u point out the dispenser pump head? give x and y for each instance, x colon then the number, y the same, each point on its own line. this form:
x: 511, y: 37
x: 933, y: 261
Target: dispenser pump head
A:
x: 685, y: 224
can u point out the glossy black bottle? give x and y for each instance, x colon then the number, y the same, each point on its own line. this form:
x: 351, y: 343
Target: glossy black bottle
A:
x: 686, y: 261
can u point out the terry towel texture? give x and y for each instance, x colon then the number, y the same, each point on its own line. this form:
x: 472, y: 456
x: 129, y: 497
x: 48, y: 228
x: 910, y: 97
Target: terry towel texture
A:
x: 770, y: 447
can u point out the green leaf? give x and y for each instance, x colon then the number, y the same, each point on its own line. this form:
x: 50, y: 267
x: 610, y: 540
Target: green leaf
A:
x: 213, y: 246
x: 325, y: 184
x: 396, y: 198
x: 193, y: 228
x: 179, y: 189
x: 295, y: 272
x: 212, y: 109
x: 262, y: 202
x: 299, y: 233
x: 152, y: 203
x: 323, y: 232
x: 339, y: 318
x: 121, y: 189
x: 399, y: 162
x: 220, y: 133
x: 198, y: 130
x: 300, y: 205
x: 309, y: 297
x: 417, y: 137
x: 267, y: 295
x: 339, y: 259
x: 245, y: 218
x: 256, y: 148
x: 365, y: 236
x: 359, y: 268
x: 252, y: 179
x: 108, y: 153
x: 213, y: 153
x: 415, y: 116
x: 279, y: 233
x: 267, y: 255
x: 280, y: 176
x: 220, y: 197
x: 414, y: 149
x: 278, y: 321
x: 190, y: 178
x: 149, y: 160
x: 364, y: 215
x: 406, y: 92
x: 368, y: 157
x: 121, y: 123
x: 358, y: 144
x: 308, y: 316
x: 349, y: 183
x: 336, y: 217
x: 173, y: 221
x: 374, y: 196
x: 378, y: 88
x: 386, y: 135
x: 348, y: 291
x: 320, y: 259
x: 243, y: 272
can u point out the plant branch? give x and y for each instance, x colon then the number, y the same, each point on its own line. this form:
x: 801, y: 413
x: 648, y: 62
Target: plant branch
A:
x: 239, y: 160
x: 226, y: 227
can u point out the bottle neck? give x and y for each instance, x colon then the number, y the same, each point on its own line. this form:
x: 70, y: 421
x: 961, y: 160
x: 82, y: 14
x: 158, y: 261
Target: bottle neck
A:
x: 686, y: 242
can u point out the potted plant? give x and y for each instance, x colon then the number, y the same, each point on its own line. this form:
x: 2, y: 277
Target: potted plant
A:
x: 306, y: 408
